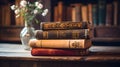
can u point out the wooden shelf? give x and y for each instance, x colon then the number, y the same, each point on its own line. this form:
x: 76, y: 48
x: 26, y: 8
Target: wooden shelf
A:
x: 106, y: 34
x: 108, y: 39
x: 10, y: 33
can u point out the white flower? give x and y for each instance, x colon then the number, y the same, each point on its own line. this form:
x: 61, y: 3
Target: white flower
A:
x: 45, y: 12
x: 23, y: 3
x: 35, y: 11
x: 29, y: 10
x: 12, y: 7
x: 17, y: 16
x: 36, y: 3
x: 40, y: 6
x: 17, y: 11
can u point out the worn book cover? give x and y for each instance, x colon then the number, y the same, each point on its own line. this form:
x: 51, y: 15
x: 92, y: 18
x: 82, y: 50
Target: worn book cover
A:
x: 101, y: 12
x: 109, y: 14
x: 95, y: 14
x: 63, y: 34
x: 64, y: 25
x: 58, y: 52
x: 84, y: 10
x: 76, y: 12
x: 63, y: 43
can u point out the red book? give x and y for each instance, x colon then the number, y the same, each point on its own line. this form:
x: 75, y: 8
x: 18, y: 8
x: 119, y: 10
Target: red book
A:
x: 58, y: 52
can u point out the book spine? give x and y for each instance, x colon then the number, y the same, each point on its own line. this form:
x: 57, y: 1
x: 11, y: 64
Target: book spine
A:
x: 115, y: 3
x: 118, y: 13
x: 90, y: 13
x: 101, y: 12
x: 109, y: 14
x: 57, y: 52
x: 95, y: 14
x: 76, y: 12
x: 69, y: 44
x: 64, y: 34
x: 84, y: 10
x: 64, y: 25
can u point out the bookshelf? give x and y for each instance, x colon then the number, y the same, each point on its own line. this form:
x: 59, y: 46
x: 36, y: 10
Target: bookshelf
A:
x: 104, y: 21
x: 102, y: 14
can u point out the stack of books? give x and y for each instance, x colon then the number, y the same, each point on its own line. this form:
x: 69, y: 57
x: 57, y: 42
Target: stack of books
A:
x: 61, y: 39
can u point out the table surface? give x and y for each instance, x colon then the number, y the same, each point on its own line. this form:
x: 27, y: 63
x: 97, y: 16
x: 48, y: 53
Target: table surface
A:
x: 97, y: 53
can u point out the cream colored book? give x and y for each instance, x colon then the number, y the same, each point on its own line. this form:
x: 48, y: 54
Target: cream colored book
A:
x: 70, y: 43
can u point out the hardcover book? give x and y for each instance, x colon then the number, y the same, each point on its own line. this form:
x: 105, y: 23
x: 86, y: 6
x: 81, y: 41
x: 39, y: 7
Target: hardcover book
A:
x: 63, y: 34
x: 76, y: 12
x: 58, y: 52
x: 69, y: 44
x: 90, y: 13
x: 95, y: 14
x: 115, y: 10
x: 64, y: 25
x: 84, y: 10
x: 101, y: 12
x: 109, y: 14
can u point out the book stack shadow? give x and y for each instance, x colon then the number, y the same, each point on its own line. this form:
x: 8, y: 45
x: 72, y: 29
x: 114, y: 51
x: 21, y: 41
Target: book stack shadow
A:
x: 61, y: 39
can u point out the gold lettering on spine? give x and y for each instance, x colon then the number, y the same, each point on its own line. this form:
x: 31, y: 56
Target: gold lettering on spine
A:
x: 45, y: 34
x: 77, y: 44
x: 79, y: 25
x: 46, y: 26
x: 75, y: 34
x: 62, y: 34
x: 62, y: 26
x: 65, y: 25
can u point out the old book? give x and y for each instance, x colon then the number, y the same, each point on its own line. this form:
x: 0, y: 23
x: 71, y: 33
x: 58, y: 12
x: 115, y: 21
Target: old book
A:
x: 90, y: 13
x: 64, y: 25
x: 118, y: 13
x: 84, y: 10
x: 61, y: 11
x: 101, y: 12
x: 63, y: 34
x: 95, y: 14
x: 109, y: 14
x: 55, y: 13
x: 62, y: 43
x: 58, y: 52
x: 5, y: 15
x: 76, y: 12
x: 115, y: 5
x: 69, y: 13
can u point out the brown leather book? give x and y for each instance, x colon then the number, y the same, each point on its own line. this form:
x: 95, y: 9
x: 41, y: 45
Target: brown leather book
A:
x: 64, y: 25
x: 63, y: 34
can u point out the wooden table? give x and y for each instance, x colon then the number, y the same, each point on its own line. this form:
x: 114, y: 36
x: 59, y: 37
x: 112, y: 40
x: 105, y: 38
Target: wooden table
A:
x: 13, y: 55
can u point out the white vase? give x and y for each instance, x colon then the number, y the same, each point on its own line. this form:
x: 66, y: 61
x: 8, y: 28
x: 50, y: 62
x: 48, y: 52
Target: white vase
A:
x: 26, y: 34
